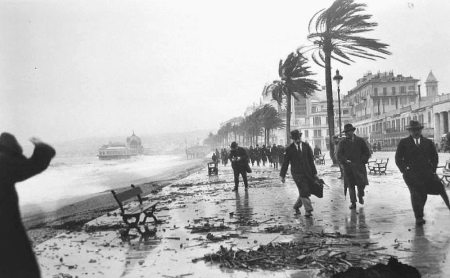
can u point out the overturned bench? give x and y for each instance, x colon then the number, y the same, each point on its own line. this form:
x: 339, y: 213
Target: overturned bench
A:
x: 148, y: 210
x: 378, y: 165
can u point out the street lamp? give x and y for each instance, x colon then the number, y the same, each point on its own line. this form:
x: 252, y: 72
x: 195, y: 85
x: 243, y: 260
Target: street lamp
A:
x: 338, y: 79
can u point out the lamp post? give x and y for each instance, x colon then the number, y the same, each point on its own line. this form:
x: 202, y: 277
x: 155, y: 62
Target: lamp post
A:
x: 338, y: 79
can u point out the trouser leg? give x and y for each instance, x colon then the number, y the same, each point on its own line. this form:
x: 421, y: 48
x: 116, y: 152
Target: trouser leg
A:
x: 244, y: 177
x: 236, y: 178
x: 307, y: 203
x: 361, y: 190
x: 418, y: 200
x: 302, y: 200
x: 352, y: 192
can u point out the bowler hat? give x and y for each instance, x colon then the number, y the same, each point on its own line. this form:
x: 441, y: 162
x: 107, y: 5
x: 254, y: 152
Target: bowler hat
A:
x: 414, y: 125
x: 9, y: 143
x: 348, y: 127
x: 233, y: 145
x: 295, y: 134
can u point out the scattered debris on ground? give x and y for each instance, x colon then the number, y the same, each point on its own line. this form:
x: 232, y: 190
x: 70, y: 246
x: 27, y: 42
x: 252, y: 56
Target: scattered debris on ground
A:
x: 329, y: 252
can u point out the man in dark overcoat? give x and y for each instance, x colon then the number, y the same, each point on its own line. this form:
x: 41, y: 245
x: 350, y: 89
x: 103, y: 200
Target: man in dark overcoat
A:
x: 16, y: 254
x: 303, y: 170
x: 354, y: 154
x: 263, y: 154
x: 239, y: 159
x: 274, y: 152
x: 257, y: 153
x: 416, y: 157
x: 251, y: 154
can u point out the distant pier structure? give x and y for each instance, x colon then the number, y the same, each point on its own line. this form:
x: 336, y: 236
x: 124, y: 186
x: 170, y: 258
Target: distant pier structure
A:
x: 198, y: 151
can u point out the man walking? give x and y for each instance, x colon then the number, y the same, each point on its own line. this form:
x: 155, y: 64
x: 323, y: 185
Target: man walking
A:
x: 303, y: 170
x: 353, y: 154
x: 239, y: 159
x: 317, y: 152
x: 274, y: 152
x: 417, y: 159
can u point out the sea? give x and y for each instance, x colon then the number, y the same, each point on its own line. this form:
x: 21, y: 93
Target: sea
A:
x: 68, y: 179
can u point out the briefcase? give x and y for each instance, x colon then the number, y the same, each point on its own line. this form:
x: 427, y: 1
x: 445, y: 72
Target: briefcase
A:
x: 317, y: 188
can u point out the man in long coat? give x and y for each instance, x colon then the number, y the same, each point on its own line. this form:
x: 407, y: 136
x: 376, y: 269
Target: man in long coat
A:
x: 239, y: 159
x: 303, y: 170
x: 354, y: 154
x: 417, y: 159
x: 16, y: 255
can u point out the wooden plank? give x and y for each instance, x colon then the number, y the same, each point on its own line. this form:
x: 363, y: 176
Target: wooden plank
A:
x: 128, y: 194
x: 140, y: 208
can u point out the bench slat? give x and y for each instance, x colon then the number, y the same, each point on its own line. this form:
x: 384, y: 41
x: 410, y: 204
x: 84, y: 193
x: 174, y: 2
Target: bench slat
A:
x: 128, y: 194
x: 140, y: 208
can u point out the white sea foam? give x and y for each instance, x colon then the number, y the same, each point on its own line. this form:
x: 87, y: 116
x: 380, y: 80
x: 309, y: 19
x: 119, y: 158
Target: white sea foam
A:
x: 73, y: 177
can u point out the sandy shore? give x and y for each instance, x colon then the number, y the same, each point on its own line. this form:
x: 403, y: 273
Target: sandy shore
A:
x: 44, y: 225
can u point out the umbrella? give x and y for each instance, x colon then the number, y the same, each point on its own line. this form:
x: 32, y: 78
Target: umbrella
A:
x: 437, y: 188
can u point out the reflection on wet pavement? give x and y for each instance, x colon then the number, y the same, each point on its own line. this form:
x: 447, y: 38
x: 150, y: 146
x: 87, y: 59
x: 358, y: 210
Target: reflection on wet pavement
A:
x: 386, y: 221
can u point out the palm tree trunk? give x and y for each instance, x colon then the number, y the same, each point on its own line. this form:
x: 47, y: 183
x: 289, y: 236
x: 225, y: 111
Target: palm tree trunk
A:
x: 288, y: 116
x: 330, y: 106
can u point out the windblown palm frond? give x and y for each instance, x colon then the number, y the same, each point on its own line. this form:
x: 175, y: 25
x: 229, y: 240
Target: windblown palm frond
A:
x: 337, y: 30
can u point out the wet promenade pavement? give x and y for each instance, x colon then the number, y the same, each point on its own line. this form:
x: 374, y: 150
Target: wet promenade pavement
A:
x: 385, y: 221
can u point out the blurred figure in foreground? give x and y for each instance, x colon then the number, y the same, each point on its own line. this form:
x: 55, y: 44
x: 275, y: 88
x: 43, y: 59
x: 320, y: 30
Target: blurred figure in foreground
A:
x: 16, y: 255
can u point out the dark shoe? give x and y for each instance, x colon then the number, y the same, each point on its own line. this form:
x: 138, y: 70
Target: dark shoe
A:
x: 297, y: 211
x: 420, y: 221
x: 235, y: 189
x: 308, y: 213
x: 361, y: 200
x: 352, y: 206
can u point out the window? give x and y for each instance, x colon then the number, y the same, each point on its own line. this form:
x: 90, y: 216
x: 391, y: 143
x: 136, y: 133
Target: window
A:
x: 313, y: 109
x: 317, y: 133
x: 317, y: 121
x: 429, y: 117
x: 411, y: 88
x: 403, y: 89
x: 384, y: 91
x: 306, y: 133
x: 375, y: 91
x: 393, y: 90
x: 392, y: 101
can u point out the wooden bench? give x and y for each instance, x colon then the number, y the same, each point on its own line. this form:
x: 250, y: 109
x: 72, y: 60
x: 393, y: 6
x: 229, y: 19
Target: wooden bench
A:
x: 446, y: 173
x: 378, y: 165
x: 148, y: 210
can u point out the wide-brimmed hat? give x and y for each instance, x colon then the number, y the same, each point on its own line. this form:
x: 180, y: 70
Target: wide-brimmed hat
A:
x: 414, y: 125
x: 233, y: 145
x: 9, y: 143
x: 295, y: 134
x: 348, y: 127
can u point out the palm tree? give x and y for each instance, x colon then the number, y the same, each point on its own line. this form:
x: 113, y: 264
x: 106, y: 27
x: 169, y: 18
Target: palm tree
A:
x: 270, y: 119
x: 336, y: 36
x: 293, y: 73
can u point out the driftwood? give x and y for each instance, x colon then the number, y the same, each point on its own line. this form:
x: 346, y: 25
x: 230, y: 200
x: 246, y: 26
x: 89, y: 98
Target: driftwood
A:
x: 329, y: 255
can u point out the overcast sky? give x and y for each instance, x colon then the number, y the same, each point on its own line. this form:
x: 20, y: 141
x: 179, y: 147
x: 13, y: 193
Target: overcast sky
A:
x: 73, y: 69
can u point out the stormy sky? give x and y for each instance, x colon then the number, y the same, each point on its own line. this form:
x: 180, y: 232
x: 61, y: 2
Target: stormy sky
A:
x: 74, y: 69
